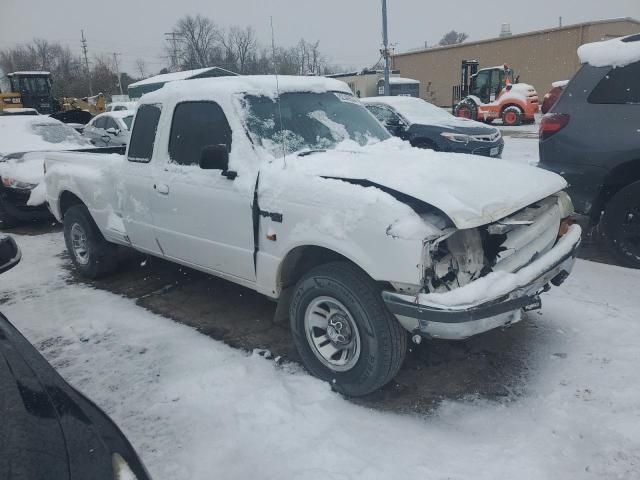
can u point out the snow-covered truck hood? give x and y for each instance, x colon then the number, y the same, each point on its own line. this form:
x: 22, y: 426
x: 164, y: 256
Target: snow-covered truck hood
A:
x: 471, y: 190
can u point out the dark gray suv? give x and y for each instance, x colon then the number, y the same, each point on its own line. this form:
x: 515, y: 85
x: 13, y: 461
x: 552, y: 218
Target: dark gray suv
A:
x: 591, y: 137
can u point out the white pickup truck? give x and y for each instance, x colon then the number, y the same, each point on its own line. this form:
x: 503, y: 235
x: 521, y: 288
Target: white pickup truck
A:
x: 291, y: 187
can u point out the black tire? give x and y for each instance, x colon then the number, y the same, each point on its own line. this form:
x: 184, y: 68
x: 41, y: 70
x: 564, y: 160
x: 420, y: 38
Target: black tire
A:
x: 512, y: 116
x: 101, y: 256
x: 621, y: 225
x: 466, y: 109
x: 425, y: 145
x: 382, y: 341
x: 7, y: 220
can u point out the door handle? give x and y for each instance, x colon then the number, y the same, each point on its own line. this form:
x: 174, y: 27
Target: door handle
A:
x: 161, y: 188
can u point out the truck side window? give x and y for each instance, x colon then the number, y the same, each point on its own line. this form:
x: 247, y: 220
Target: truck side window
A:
x: 619, y: 86
x: 196, y: 125
x: 143, y: 135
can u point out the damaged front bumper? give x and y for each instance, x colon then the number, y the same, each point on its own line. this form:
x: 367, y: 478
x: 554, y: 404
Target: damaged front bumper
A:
x: 457, y: 320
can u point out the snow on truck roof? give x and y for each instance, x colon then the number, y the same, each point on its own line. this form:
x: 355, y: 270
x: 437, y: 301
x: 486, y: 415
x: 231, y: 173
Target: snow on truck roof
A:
x: 252, y: 84
x: 617, y: 52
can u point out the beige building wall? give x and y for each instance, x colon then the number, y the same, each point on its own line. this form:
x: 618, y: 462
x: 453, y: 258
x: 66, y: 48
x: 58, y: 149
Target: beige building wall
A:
x: 366, y: 84
x: 539, y: 58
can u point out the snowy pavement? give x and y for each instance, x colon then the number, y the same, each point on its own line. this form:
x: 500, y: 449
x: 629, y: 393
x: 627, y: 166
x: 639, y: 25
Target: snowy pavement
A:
x: 195, y: 408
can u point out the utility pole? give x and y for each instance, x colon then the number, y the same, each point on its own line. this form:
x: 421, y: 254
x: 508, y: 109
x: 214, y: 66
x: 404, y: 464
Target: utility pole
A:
x: 115, y: 61
x: 560, y: 22
x: 86, y: 61
x: 172, y: 38
x: 385, y: 50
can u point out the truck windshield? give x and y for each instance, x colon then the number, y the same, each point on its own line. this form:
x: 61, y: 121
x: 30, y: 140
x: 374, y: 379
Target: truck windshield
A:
x: 310, y: 121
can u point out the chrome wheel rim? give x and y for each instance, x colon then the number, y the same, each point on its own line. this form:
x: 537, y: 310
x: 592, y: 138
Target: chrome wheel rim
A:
x: 79, y: 244
x: 332, y: 334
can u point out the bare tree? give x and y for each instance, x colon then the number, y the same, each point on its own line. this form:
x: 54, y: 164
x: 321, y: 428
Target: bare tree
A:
x: 244, y: 44
x: 453, y: 38
x: 197, y: 40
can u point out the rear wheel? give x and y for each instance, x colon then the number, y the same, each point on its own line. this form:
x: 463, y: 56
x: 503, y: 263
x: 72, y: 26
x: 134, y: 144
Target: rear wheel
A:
x: 621, y: 223
x: 343, y: 331
x: 512, y: 116
x: 91, y: 254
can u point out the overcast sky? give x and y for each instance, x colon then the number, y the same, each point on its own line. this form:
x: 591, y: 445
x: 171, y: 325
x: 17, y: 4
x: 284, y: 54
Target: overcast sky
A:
x: 349, y: 30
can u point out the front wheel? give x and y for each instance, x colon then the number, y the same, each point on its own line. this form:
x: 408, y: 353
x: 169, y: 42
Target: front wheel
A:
x: 621, y: 222
x: 343, y: 331
x: 6, y: 219
x: 91, y: 254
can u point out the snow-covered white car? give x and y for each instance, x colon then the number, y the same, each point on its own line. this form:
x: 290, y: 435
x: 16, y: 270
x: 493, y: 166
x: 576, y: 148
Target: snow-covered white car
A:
x: 23, y: 141
x: 291, y: 187
x: 110, y: 129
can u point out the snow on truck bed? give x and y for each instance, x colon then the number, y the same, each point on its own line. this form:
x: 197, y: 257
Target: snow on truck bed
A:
x: 617, y: 52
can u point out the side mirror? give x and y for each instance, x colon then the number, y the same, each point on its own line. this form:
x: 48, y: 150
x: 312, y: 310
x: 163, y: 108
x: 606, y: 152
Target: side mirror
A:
x: 112, y: 131
x: 9, y: 253
x: 214, y: 157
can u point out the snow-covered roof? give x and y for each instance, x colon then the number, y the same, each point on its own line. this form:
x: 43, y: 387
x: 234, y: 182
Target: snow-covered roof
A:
x: 402, y: 81
x: 171, y: 77
x: 202, y: 88
x: 26, y: 72
x: 617, y: 52
x: 117, y: 114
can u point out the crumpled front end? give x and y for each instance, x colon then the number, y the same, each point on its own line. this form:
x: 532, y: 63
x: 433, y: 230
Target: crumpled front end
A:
x: 482, y: 278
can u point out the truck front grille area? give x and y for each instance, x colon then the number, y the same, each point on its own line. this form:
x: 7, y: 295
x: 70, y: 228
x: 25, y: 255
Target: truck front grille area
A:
x: 506, y: 245
x: 517, y: 240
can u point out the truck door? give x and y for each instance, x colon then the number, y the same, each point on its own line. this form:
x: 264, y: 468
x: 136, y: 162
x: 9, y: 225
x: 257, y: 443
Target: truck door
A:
x: 135, y: 194
x: 201, y: 217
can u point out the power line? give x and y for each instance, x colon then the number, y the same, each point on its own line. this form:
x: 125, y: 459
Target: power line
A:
x: 86, y: 60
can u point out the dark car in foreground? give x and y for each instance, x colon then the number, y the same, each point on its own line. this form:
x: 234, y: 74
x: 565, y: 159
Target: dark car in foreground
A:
x: 23, y: 141
x: 50, y: 430
x: 591, y: 136
x: 426, y: 126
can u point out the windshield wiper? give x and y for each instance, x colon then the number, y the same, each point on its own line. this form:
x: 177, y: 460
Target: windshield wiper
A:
x: 312, y: 151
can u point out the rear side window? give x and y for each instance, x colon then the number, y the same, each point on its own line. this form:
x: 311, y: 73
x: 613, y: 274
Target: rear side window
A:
x: 196, y: 125
x: 143, y: 135
x: 111, y: 123
x: 620, y: 86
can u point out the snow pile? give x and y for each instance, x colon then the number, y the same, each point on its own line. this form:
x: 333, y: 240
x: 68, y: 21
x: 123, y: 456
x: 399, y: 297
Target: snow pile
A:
x: 560, y: 83
x: 196, y: 409
x: 617, y: 52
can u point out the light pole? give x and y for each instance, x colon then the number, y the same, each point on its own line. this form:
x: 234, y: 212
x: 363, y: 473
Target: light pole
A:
x: 385, y: 51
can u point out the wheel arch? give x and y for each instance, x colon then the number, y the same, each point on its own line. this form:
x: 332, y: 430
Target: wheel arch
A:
x: 67, y: 200
x: 620, y: 176
x: 298, y: 261
x: 511, y: 103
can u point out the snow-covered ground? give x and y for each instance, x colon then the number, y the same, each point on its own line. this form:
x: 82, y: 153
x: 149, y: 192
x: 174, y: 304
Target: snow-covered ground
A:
x: 195, y: 408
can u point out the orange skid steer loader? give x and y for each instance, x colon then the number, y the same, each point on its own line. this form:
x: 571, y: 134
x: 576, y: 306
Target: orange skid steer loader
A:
x: 491, y: 93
